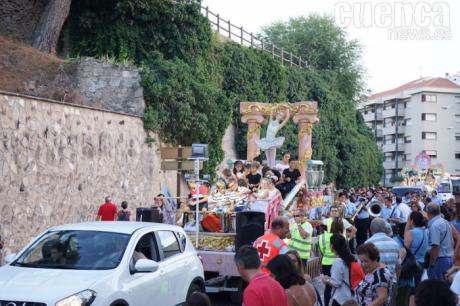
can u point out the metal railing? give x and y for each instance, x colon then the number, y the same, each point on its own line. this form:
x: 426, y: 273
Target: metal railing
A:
x: 245, y: 38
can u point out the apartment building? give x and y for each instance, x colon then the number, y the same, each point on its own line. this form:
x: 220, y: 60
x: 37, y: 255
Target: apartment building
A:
x: 422, y: 115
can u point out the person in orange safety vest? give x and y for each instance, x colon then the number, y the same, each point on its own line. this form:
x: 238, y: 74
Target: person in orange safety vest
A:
x: 271, y: 244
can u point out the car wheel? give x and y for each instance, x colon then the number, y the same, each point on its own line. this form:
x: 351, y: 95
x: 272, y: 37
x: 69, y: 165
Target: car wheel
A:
x: 193, y: 288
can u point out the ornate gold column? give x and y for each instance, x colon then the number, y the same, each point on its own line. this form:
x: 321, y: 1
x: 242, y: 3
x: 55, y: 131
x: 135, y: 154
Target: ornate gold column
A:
x: 252, y: 115
x: 305, y: 117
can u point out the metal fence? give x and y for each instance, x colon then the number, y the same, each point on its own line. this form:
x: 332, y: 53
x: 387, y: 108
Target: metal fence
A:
x: 245, y: 38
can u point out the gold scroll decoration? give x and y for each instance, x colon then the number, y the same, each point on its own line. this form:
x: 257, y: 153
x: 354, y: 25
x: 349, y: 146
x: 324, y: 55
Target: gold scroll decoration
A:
x: 266, y: 108
x: 305, y: 157
x: 306, y: 129
x: 253, y: 131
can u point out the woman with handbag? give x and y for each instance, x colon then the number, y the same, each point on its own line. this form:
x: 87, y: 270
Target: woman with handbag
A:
x: 416, y: 239
x: 414, y: 247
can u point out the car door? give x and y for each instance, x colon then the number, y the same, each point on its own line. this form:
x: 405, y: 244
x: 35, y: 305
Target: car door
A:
x: 174, y: 265
x: 150, y: 288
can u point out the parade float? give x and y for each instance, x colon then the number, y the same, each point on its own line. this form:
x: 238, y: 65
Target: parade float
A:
x: 428, y: 176
x: 234, y: 216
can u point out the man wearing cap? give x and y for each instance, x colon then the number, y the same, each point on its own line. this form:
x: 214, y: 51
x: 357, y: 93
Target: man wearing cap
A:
x: 301, y: 233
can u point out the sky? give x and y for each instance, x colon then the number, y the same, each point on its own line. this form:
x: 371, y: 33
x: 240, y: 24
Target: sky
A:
x: 402, y: 40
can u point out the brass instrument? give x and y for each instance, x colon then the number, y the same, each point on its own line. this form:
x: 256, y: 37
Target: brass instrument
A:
x: 360, y: 207
x: 375, y: 209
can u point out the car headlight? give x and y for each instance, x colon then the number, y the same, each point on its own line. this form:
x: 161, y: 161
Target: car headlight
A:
x: 84, y: 298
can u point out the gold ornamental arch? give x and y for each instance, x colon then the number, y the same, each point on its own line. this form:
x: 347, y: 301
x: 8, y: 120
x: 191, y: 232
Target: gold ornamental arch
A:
x: 303, y: 114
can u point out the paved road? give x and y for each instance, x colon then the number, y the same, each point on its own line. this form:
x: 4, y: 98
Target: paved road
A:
x: 223, y: 299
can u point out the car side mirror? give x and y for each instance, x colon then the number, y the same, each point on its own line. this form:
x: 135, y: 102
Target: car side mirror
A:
x: 146, y: 265
x: 9, y: 258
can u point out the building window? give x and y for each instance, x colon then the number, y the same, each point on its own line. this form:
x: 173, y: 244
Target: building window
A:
x: 429, y: 135
x: 457, y: 136
x: 457, y: 99
x: 457, y: 118
x: 429, y: 98
x: 457, y: 155
x: 428, y: 117
x: 432, y: 153
x: 407, y: 139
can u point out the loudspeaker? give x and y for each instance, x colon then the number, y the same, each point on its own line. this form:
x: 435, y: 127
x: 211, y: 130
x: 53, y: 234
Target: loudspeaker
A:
x: 249, y: 226
x: 146, y: 214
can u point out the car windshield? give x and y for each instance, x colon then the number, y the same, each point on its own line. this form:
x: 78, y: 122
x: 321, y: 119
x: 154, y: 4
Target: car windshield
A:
x: 78, y: 250
x: 402, y: 191
x: 444, y: 188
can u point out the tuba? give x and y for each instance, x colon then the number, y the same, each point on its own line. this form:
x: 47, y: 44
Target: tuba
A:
x: 375, y: 209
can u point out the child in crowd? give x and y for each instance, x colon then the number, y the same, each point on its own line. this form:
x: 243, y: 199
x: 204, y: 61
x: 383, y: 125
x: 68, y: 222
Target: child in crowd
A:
x: 254, y: 177
x: 238, y: 170
x: 226, y: 175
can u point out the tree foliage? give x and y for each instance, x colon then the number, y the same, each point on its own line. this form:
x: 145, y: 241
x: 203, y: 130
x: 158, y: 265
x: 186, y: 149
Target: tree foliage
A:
x: 334, y: 80
x: 193, y: 82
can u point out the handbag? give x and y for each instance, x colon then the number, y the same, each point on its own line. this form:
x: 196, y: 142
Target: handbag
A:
x: 410, y: 266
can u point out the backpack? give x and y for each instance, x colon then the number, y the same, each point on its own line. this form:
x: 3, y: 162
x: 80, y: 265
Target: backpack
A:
x: 123, y: 216
x: 356, y: 275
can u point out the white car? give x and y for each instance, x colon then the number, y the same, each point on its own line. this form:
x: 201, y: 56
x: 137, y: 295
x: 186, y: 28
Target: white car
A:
x: 104, y: 264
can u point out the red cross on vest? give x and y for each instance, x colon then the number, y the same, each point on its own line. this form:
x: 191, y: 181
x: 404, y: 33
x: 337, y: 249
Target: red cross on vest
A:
x: 264, y: 249
x: 268, y: 246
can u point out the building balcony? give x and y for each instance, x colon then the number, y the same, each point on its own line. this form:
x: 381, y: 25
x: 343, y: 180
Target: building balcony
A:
x: 391, y: 147
x: 378, y: 133
x: 391, y: 112
x: 390, y: 130
x: 391, y: 164
x: 371, y: 117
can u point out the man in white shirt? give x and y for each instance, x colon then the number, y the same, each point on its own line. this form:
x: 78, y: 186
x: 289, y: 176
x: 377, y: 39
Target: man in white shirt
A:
x: 404, y: 215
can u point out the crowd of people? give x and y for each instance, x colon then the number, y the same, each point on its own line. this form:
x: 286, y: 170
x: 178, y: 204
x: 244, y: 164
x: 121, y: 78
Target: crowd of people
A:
x: 404, y: 255
x: 365, y: 259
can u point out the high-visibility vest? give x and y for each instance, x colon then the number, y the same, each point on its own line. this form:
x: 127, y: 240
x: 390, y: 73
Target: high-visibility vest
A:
x: 268, y: 246
x: 324, y: 241
x: 329, y: 225
x: 299, y: 244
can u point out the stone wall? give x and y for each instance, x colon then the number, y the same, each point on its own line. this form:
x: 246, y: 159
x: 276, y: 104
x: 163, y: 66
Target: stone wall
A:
x: 111, y: 87
x: 87, y: 81
x: 58, y: 162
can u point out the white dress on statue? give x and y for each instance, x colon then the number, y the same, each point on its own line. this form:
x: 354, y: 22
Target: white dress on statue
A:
x: 271, y: 141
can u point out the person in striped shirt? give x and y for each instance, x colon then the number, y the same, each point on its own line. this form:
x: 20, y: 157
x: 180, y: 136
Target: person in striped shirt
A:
x: 389, y: 250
